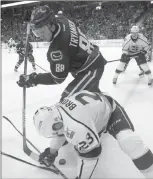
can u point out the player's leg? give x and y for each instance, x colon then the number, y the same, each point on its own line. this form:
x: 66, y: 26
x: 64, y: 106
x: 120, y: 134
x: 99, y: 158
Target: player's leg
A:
x: 121, y: 128
x: 126, y: 65
x: 88, y: 80
x: 9, y: 47
x: 21, y: 59
x: 149, y: 55
x: 141, y: 74
x: 141, y: 61
x: 121, y: 67
x: 14, y: 47
x: 32, y: 61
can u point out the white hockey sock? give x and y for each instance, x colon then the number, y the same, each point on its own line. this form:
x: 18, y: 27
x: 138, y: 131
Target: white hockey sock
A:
x: 116, y: 75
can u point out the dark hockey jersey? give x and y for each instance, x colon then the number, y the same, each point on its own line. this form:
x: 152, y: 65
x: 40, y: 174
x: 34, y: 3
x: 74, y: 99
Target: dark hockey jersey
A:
x: 69, y: 51
x: 20, y: 48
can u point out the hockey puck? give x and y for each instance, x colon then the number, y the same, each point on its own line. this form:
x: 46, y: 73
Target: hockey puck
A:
x: 62, y: 161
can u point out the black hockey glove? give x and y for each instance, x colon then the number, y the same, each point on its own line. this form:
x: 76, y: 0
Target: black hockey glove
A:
x: 47, y: 158
x: 143, y: 52
x: 27, y: 81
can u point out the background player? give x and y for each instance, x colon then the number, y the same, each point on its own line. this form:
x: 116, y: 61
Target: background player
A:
x: 69, y: 51
x: 135, y: 46
x: 80, y: 120
x: 21, y: 52
x: 11, y: 45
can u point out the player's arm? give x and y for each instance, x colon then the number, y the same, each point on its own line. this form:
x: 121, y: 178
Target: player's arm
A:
x: 145, y: 44
x: 125, y: 46
x: 59, y: 66
x: 30, y: 49
x: 57, y: 143
x: 88, y: 147
x: 20, y: 50
x: 49, y: 155
x: 17, y: 48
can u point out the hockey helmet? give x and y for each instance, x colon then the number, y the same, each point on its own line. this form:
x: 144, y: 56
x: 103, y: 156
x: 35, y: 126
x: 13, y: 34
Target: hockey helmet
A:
x: 135, y: 29
x: 60, y: 12
x: 47, y: 121
x: 42, y: 20
x: 41, y: 16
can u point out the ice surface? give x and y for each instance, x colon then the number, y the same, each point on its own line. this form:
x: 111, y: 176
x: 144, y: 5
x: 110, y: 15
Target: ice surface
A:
x: 132, y: 92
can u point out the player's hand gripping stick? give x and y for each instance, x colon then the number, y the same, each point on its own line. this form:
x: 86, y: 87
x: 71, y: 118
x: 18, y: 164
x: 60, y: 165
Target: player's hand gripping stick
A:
x: 27, y: 80
x: 47, y: 158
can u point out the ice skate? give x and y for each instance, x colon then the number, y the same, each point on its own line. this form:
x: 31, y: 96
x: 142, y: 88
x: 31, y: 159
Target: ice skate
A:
x: 34, y: 68
x: 15, y: 69
x: 150, y: 82
x: 141, y: 74
x: 114, y: 81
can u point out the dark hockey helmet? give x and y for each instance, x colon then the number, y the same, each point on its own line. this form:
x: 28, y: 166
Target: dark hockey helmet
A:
x: 42, y: 16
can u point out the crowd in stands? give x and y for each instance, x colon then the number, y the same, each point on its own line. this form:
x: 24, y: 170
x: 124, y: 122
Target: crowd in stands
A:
x: 112, y: 21
x: 148, y: 24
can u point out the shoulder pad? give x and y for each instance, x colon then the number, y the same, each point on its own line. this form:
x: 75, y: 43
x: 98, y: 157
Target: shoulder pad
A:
x: 141, y: 36
x: 127, y: 37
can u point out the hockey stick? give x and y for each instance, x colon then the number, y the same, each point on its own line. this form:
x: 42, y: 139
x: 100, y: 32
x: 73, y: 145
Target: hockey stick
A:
x: 28, y: 163
x: 57, y: 171
x: 20, y: 133
x: 42, y: 68
x: 26, y: 149
x: 49, y: 72
x: 113, y: 61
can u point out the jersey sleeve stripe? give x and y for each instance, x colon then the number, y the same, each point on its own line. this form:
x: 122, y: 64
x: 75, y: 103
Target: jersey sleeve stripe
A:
x: 144, y: 41
x: 89, y: 81
x: 81, y: 124
x: 80, y: 83
x: 89, y: 64
x: 94, y: 168
x: 126, y: 43
x: 81, y: 169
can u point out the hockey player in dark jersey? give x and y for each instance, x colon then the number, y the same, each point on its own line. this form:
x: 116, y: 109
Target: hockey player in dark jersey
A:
x: 20, y: 48
x: 69, y: 51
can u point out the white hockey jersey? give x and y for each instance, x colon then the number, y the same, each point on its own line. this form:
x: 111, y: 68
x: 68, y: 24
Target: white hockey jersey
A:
x: 133, y: 47
x: 85, y: 116
x: 11, y: 42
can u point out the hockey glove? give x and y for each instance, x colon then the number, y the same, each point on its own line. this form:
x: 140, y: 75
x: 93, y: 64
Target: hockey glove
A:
x: 47, y: 158
x: 27, y: 81
x: 143, y: 52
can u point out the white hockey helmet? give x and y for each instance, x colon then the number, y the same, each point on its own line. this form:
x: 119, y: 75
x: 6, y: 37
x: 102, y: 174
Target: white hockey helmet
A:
x: 47, y: 121
x: 60, y: 12
x: 135, y: 29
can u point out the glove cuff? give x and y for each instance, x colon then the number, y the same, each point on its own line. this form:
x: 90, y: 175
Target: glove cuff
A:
x: 143, y: 51
x: 34, y: 79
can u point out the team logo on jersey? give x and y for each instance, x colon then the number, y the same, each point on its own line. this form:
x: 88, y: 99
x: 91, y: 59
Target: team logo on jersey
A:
x: 56, y: 55
x: 69, y: 133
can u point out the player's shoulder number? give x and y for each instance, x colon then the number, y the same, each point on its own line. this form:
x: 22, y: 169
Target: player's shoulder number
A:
x: 80, y: 97
x: 84, y: 43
